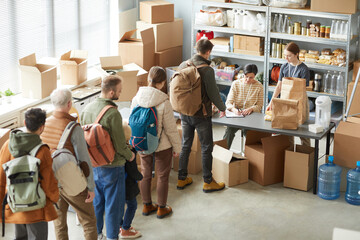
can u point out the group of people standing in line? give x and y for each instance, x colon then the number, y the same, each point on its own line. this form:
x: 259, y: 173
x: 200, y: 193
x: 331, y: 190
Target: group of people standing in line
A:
x: 109, y: 187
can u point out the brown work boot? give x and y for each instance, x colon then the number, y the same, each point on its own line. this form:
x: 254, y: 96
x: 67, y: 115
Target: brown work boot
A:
x: 213, y: 186
x: 181, y: 184
x: 163, y: 211
x: 129, y: 234
x: 149, y: 208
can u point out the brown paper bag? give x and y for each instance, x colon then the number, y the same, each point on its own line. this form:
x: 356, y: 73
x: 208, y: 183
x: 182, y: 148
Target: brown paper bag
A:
x: 295, y: 88
x: 285, y: 113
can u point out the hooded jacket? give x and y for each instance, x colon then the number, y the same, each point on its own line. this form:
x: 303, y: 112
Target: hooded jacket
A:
x: 19, y: 144
x: 167, y: 131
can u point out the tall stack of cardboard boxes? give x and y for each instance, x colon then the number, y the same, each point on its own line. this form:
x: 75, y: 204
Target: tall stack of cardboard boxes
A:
x: 168, y: 31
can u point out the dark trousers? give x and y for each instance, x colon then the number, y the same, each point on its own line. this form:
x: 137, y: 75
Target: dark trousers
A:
x: 33, y: 231
x: 203, y: 127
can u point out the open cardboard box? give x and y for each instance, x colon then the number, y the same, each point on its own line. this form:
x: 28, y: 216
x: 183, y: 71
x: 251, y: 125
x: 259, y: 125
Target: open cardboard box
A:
x: 167, y: 35
x: 299, y: 167
x: 37, y: 80
x: 73, y: 67
x: 133, y: 75
x: 266, y: 155
x: 139, y: 51
x: 156, y: 11
x: 347, y: 143
x: 355, y: 105
x: 229, y: 167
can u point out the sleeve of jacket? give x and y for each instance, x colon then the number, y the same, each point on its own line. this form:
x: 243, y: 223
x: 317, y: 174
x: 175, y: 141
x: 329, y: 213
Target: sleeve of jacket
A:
x: 170, y: 128
x: 230, y: 100
x: 117, y: 135
x: 212, y: 90
x: 4, y: 157
x: 260, y: 100
x: 82, y: 154
x: 49, y: 183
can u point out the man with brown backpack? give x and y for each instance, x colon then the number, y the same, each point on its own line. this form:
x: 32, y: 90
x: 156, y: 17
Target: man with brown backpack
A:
x: 109, y: 178
x: 201, y: 119
x: 79, y: 193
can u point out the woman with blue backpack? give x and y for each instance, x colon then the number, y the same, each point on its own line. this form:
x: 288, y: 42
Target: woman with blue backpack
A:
x: 155, y: 136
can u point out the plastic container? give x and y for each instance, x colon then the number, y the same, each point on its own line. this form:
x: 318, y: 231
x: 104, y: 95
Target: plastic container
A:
x: 333, y: 83
x: 327, y: 82
x: 204, y: 34
x: 274, y: 23
x: 352, y: 194
x: 329, y: 180
x: 332, y: 30
x: 323, y: 111
x: 340, y: 85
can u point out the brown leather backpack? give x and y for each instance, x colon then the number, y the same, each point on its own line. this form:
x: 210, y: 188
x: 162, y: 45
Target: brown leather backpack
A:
x: 100, y: 146
x: 185, y: 90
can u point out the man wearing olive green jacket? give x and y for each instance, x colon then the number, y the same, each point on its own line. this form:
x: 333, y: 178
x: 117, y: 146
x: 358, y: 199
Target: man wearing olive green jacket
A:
x: 109, y: 179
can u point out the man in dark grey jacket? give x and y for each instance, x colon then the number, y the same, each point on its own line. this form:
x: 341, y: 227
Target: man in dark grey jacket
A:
x: 201, y: 121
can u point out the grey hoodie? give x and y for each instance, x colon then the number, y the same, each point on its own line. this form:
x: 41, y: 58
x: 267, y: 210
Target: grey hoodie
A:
x: 22, y: 143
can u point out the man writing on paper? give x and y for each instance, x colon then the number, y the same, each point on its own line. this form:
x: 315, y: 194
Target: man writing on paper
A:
x: 246, y: 96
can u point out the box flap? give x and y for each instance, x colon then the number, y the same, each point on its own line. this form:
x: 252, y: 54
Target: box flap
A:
x: 66, y: 56
x: 128, y: 74
x: 127, y: 35
x: 348, y: 128
x: 134, y: 67
x: 79, y: 54
x: 222, y: 154
x: 111, y: 62
x: 254, y: 137
x: 29, y: 68
x: 222, y: 143
x: 29, y: 60
x: 147, y: 36
x: 353, y: 120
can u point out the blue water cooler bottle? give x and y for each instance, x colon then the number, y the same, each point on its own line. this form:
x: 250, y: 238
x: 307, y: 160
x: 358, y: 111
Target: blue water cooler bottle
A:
x: 329, y: 180
x: 352, y: 195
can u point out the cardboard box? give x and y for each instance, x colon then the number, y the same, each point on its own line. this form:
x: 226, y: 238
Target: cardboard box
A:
x: 4, y: 135
x: 139, y: 51
x: 156, y: 11
x: 133, y: 76
x: 73, y: 67
x: 249, y: 45
x: 266, y: 155
x: 228, y: 167
x: 356, y: 69
x: 299, y: 168
x: 167, y: 35
x: 37, y: 80
x: 196, y: 146
x: 222, y: 143
x: 169, y: 57
x: 347, y: 144
x: 355, y: 105
x: 336, y: 6
x: 153, y: 180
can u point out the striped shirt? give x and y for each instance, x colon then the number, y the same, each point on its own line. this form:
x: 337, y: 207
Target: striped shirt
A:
x: 244, y: 96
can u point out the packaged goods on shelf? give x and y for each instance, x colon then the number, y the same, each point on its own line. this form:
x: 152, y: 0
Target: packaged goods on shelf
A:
x: 285, y: 3
x: 336, y: 6
x: 221, y: 44
x: 225, y: 74
x: 211, y: 18
x: 311, y: 58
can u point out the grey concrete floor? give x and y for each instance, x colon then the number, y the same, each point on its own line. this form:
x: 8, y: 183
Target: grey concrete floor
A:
x: 247, y: 211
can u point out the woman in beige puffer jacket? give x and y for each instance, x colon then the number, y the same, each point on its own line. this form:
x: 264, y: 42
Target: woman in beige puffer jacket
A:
x: 169, y: 142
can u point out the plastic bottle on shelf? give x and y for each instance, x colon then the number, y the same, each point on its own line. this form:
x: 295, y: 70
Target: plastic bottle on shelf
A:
x: 352, y: 194
x: 279, y: 23
x: 333, y: 23
x: 285, y: 24
x: 344, y: 31
x: 337, y: 29
x: 329, y: 180
x: 327, y: 82
x: 333, y: 83
x: 274, y: 23
x: 340, y: 85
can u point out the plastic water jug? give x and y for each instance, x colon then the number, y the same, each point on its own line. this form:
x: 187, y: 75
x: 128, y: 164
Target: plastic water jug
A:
x: 352, y: 194
x: 329, y: 180
x: 323, y: 111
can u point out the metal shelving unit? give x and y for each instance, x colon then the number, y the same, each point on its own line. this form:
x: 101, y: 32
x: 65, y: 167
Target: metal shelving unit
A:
x: 267, y: 60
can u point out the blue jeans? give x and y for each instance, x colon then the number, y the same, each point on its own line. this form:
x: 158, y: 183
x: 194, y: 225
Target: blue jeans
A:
x: 109, y: 199
x: 131, y: 206
x: 203, y: 127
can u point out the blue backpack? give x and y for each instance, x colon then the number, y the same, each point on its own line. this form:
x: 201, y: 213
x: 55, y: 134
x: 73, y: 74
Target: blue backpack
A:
x: 143, y: 124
